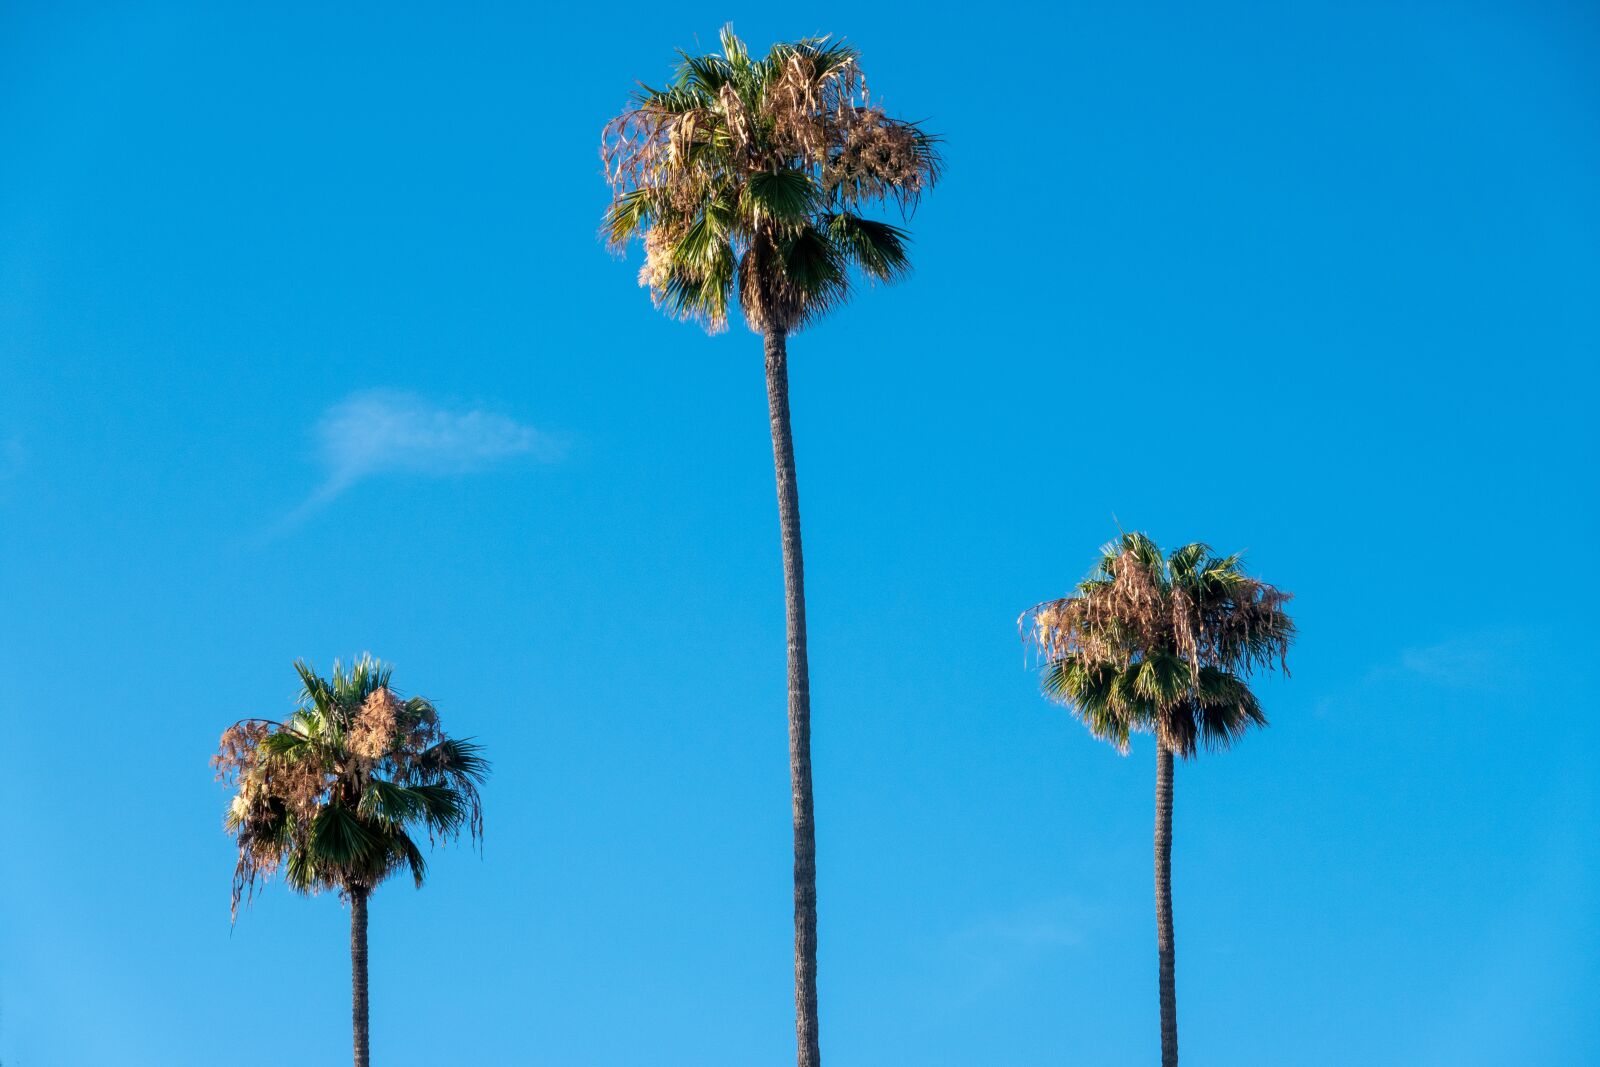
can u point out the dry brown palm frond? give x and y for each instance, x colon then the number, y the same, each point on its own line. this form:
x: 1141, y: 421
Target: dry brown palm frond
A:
x: 1106, y: 621
x: 877, y: 158
x: 300, y: 784
x: 809, y: 110
x: 737, y: 121
x: 372, y: 735
x: 236, y: 748
x: 1252, y: 629
x: 421, y: 731
x: 656, y: 271
x: 632, y: 145
x: 1186, y: 630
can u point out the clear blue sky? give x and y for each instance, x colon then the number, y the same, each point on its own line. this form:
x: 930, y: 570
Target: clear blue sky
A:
x: 307, y: 347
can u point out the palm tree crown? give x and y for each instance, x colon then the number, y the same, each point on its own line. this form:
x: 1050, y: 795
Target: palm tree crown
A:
x: 1162, y: 644
x: 335, y: 794
x: 748, y: 174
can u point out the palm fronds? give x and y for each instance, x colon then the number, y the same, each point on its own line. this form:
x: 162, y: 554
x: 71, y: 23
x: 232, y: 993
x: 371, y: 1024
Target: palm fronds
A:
x: 749, y: 176
x: 331, y: 795
x: 1163, y: 644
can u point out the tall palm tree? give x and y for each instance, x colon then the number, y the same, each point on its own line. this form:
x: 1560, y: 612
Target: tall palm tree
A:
x: 1165, y: 645
x: 749, y: 175
x: 336, y: 793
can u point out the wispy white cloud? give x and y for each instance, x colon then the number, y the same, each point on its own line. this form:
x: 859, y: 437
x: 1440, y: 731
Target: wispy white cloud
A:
x: 388, y: 432
x: 384, y: 432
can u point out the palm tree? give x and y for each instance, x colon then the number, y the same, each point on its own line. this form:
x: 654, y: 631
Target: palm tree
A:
x: 1164, y: 645
x: 335, y: 794
x: 749, y: 175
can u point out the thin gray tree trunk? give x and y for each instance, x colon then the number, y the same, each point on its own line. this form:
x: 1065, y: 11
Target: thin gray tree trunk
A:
x: 1164, y: 944
x: 794, y: 595
x: 358, y: 975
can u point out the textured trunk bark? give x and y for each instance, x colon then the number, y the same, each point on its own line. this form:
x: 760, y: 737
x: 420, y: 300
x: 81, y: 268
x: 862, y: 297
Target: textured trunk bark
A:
x: 1164, y: 945
x: 805, y: 839
x: 358, y: 975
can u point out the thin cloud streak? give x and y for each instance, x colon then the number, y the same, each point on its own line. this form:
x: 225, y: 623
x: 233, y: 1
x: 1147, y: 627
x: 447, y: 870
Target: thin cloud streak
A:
x: 388, y: 432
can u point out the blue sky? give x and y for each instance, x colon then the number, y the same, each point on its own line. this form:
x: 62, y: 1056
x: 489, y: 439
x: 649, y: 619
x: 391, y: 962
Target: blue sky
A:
x: 308, y: 347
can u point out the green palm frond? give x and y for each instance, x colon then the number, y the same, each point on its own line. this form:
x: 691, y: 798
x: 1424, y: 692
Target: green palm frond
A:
x: 1184, y: 565
x: 680, y: 99
x: 1225, y: 708
x: 782, y: 199
x: 391, y: 804
x: 288, y: 743
x: 1160, y: 678
x: 315, y: 689
x: 1096, y: 693
x: 701, y: 294
x: 703, y: 75
x: 815, y: 271
x: 735, y: 54
x: 441, y: 807
x: 878, y: 248
x: 627, y: 216
x: 702, y: 245
x: 405, y: 851
x: 302, y: 873
x: 455, y: 758
x: 340, y: 839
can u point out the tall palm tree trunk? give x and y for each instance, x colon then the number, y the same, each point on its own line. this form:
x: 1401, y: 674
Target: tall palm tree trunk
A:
x: 358, y: 975
x: 794, y: 595
x: 1164, y: 945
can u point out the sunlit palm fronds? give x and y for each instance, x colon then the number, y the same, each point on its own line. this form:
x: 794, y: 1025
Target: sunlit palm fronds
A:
x: 749, y: 176
x: 335, y: 794
x: 1163, y: 644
